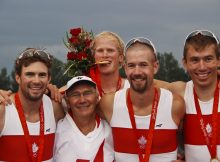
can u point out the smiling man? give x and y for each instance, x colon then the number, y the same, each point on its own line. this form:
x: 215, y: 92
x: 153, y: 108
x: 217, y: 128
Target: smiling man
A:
x: 27, y: 126
x: 144, y: 119
x: 82, y: 136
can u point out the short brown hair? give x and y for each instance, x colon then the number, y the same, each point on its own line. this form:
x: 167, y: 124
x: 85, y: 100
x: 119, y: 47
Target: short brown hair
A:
x: 199, y: 42
x: 31, y: 55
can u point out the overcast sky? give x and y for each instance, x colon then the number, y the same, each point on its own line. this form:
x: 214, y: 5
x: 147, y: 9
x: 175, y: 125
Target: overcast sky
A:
x: 43, y: 23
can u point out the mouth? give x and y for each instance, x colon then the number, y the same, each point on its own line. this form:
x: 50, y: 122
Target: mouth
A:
x: 202, y: 75
x: 103, y: 62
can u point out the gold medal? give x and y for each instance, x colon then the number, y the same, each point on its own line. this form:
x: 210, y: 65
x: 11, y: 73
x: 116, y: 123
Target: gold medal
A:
x: 214, y: 160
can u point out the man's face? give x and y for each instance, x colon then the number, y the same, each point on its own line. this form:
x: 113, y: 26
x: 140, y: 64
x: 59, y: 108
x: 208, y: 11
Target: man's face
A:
x: 202, y: 65
x: 106, y: 49
x: 82, y: 100
x: 33, y: 80
x: 140, y: 68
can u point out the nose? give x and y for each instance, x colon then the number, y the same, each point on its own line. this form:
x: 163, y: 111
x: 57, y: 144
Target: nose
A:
x: 202, y: 64
x: 105, y: 53
x: 137, y: 70
x: 36, y: 79
x: 82, y: 98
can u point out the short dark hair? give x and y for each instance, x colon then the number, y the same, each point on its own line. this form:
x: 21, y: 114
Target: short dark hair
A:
x: 31, y: 55
x: 199, y: 42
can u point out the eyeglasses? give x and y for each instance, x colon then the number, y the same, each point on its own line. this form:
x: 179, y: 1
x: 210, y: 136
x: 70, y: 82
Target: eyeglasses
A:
x: 140, y: 40
x: 30, y: 52
x: 202, y: 32
x: 77, y: 95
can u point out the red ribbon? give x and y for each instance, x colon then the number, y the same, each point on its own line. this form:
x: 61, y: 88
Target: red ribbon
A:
x: 151, y: 127
x: 210, y: 142
x: 38, y: 156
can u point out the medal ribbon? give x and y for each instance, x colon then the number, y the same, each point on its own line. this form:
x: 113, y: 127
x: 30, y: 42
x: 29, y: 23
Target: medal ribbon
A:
x: 210, y: 144
x: 95, y: 75
x: 39, y: 156
x: 151, y: 127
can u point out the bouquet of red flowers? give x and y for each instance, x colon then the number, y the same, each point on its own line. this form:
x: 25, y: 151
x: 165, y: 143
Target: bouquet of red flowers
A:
x: 79, y: 57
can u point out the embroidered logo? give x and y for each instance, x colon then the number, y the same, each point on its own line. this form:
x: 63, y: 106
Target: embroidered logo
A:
x: 159, y: 125
x: 48, y: 130
x: 34, y: 149
x: 79, y: 78
x: 209, y: 129
x: 142, y: 142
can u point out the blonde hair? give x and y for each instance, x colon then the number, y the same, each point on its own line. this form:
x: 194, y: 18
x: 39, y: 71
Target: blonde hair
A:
x: 111, y: 36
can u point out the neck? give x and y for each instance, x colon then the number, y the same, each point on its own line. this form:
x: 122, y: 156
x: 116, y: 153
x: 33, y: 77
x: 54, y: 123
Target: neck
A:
x: 205, y: 93
x: 85, y: 124
x: 142, y: 102
x: 29, y: 106
x: 109, y: 82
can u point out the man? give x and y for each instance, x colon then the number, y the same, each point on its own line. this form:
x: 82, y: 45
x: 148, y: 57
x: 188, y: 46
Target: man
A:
x: 108, y: 50
x: 27, y: 126
x: 201, y: 129
x: 82, y: 136
x: 144, y: 119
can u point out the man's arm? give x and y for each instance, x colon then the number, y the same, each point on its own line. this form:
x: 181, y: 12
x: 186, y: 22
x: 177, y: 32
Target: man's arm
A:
x: 105, y: 107
x: 2, y: 117
x: 177, y: 87
x: 58, y: 111
x: 178, y: 113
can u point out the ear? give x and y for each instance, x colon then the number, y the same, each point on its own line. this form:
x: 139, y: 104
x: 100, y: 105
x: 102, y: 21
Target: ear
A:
x: 184, y: 64
x: 125, y: 68
x: 17, y: 78
x: 66, y: 101
x: 121, y: 59
x: 49, y: 79
x: 156, y: 66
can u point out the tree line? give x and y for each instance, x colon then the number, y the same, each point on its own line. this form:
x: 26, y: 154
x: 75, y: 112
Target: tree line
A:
x: 169, y: 71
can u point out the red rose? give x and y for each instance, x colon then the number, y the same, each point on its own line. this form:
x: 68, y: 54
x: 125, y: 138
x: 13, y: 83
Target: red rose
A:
x: 88, y: 42
x: 73, y: 40
x: 71, y: 56
x: 81, y: 55
x: 75, y: 31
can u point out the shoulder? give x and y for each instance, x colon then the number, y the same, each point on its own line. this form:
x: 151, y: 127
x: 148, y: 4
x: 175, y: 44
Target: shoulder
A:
x: 105, y: 106
x: 178, y: 87
x: 63, y: 125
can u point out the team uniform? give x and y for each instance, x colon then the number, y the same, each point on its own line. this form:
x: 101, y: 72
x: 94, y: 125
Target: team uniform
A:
x: 12, y: 142
x: 73, y: 146
x: 195, y: 146
x: 126, y: 84
x: 164, y: 144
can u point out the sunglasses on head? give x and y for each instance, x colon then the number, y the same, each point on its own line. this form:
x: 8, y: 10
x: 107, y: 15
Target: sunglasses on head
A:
x: 35, y: 52
x: 204, y: 33
x: 140, y: 40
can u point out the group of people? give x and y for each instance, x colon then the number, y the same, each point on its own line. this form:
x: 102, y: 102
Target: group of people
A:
x: 136, y: 119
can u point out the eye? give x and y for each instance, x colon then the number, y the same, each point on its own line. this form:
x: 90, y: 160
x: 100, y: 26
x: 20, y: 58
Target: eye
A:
x: 110, y: 50
x: 75, y: 95
x: 143, y: 64
x: 99, y: 50
x: 88, y: 93
x: 129, y: 65
x: 209, y: 59
x: 42, y: 75
x: 194, y: 60
x: 29, y: 74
